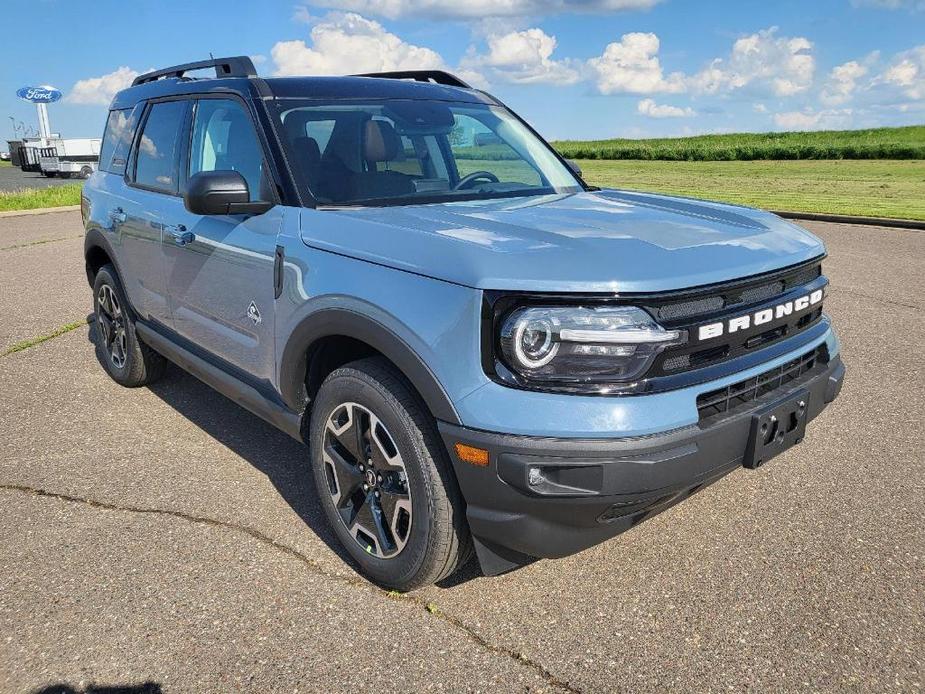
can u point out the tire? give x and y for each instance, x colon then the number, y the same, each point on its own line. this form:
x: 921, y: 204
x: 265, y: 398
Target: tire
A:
x: 127, y: 360
x: 85, y: 172
x: 427, y: 537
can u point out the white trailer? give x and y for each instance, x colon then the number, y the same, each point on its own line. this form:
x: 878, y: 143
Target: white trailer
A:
x: 70, y: 157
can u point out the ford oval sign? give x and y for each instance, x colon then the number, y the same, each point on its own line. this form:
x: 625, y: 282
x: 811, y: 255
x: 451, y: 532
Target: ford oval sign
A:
x: 39, y: 95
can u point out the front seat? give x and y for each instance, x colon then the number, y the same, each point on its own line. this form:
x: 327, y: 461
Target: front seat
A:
x: 381, y: 144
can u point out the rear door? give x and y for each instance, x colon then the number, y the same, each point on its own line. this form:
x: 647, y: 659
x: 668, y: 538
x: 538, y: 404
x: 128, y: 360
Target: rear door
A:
x: 219, y: 268
x: 150, y: 206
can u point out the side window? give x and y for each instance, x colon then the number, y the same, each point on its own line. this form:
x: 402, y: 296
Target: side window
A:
x: 476, y: 148
x: 156, y: 158
x: 117, y: 139
x: 407, y: 161
x: 223, y: 140
x: 320, y: 131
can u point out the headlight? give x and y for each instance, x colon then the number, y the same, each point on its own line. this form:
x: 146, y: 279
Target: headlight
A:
x: 582, y: 345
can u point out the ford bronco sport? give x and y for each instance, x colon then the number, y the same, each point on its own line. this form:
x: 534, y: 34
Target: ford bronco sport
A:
x: 481, y: 351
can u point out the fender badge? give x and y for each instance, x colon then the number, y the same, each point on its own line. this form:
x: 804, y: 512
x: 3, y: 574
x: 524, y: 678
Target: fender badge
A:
x: 253, y: 313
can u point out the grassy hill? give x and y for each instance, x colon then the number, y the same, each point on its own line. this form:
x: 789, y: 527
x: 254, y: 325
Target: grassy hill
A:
x: 879, y: 143
x: 867, y: 188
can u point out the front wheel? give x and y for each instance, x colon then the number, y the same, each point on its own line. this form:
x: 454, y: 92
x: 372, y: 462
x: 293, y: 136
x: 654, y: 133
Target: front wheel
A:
x: 384, y: 478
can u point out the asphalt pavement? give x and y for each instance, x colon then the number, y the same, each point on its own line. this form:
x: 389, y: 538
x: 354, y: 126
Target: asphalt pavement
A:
x: 14, y: 178
x: 164, y: 537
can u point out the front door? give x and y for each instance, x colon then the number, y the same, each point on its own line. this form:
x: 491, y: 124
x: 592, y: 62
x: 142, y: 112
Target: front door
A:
x: 219, y: 268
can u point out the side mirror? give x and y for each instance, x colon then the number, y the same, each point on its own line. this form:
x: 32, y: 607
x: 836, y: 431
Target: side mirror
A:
x: 573, y: 165
x: 221, y: 192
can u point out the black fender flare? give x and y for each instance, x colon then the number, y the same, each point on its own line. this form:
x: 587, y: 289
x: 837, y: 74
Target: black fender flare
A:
x: 344, y: 322
x: 96, y: 239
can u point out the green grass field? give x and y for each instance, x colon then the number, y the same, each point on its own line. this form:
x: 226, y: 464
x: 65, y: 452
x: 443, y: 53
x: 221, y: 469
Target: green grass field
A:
x: 870, y: 188
x: 879, y: 143
x: 35, y: 198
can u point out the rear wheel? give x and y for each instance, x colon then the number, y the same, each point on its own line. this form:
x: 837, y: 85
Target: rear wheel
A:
x: 126, y: 359
x: 85, y: 172
x: 384, y: 478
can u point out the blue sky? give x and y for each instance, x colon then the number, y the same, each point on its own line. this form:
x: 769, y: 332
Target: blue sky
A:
x: 573, y: 68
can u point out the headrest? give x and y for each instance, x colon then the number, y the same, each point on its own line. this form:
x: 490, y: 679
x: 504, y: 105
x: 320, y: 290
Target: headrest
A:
x: 381, y: 142
x: 307, y: 149
x: 294, y: 123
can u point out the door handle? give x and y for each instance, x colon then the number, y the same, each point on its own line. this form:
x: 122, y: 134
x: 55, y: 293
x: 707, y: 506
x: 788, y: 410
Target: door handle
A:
x: 181, y: 236
x: 117, y: 215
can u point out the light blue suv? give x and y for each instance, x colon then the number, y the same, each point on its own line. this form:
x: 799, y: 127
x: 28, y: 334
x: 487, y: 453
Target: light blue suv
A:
x: 481, y: 351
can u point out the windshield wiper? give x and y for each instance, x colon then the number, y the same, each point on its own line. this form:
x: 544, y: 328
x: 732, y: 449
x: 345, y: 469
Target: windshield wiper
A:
x: 433, y: 199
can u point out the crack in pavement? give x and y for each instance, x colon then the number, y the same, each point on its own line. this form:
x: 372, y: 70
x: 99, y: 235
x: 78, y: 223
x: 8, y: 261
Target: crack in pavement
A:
x: 39, y: 243
x: 313, y: 566
x: 33, y: 341
x: 852, y: 292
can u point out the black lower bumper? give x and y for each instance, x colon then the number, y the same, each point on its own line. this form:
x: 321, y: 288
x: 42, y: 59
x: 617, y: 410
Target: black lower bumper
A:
x: 545, y: 497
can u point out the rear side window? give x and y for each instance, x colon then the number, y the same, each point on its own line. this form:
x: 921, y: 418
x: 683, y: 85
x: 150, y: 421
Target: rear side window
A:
x: 321, y: 131
x: 117, y: 140
x: 156, y: 157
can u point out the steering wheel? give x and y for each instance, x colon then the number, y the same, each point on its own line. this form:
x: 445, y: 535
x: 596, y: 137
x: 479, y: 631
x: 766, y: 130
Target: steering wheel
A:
x: 466, y: 181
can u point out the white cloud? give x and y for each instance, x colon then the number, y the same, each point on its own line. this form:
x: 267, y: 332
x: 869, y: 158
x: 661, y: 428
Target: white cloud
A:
x: 808, y: 119
x: 348, y: 43
x: 759, y: 108
x: 648, y: 107
x: 784, y: 65
x: 477, y: 9
x: 524, y: 57
x: 907, y: 73
x: 100, y: 90
x: 842, y: 83
x: 763, y: 62
x: 631, y: 65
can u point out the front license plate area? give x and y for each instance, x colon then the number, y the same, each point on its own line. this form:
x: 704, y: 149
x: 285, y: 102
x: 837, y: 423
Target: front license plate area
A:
x: 776, y: 428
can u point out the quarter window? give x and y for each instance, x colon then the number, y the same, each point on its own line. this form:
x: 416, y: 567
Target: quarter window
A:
x: 116, y: 141
x: 224, y: 140
x: 156, y: 160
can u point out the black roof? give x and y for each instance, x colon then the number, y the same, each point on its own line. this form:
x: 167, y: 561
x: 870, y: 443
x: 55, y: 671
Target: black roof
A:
x: 386, y: 86
x: 361, y: 87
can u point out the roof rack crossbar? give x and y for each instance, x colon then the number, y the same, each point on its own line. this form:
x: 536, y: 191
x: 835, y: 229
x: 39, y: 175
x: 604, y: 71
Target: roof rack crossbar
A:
x: 236, y: 66
x: 437, y: 76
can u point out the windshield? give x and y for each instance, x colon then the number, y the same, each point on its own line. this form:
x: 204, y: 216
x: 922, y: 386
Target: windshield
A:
x: 414, y: 151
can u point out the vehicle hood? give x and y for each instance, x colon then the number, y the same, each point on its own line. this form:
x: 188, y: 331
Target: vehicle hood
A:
x: 602, y: 241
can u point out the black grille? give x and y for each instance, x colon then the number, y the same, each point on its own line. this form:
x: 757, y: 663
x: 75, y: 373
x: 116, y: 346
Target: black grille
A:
x: 695, y: 308
x: 735, y: 295
x: 739, y: 395
x: 762, y: 292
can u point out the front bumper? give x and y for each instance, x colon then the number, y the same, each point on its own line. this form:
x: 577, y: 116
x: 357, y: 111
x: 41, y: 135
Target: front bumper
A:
x: 589, y: 490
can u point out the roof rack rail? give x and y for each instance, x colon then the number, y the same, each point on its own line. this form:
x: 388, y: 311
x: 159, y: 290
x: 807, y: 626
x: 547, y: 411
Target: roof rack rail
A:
x: 236, y: 66
x: 437, y: 76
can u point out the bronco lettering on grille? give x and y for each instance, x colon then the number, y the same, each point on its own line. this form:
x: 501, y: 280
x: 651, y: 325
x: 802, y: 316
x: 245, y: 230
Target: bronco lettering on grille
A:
x: 765, y: 315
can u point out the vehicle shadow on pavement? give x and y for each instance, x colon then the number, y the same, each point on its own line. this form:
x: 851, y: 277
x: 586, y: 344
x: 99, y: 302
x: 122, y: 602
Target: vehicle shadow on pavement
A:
x: 144, y: 688
x: 283, y: 460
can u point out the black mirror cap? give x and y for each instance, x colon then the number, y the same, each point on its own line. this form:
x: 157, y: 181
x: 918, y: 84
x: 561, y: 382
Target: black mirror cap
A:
x: 573, y: 165
x: 219, y: 193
